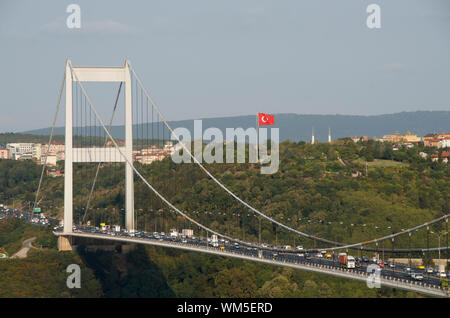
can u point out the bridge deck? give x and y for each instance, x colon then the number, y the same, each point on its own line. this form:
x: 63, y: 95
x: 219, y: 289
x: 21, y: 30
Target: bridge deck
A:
x: 323, y: 269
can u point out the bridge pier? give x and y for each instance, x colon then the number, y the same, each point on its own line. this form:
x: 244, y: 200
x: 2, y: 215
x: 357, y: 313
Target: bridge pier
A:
x: 70, y: 243
x: 65, y: 243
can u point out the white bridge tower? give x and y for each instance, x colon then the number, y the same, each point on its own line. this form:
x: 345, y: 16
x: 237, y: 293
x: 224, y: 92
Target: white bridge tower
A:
x: 98, y: 74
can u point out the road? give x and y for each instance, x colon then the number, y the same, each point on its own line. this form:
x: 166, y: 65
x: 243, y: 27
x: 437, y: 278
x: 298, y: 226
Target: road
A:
x: 26, y: 245
x: 390, y: 277
x: 392, y: 274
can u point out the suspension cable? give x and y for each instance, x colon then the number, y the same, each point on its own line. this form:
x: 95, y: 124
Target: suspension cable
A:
x: 211, y: 230
x: 339, y: 245
x: 49, y: 141
x: 140, y: 175
x: 217, y: 181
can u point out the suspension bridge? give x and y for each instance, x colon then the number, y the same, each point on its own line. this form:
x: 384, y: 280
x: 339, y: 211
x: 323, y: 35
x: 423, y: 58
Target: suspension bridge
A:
x: 92, y: 149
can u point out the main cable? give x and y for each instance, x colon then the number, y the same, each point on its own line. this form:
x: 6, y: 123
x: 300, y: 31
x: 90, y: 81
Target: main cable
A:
x: 339, y: 244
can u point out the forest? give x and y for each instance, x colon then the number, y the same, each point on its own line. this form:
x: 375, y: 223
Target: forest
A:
x: 343, y: 191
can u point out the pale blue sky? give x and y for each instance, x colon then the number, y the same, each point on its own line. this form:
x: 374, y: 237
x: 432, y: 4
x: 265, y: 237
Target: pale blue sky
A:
x: 210, y: 58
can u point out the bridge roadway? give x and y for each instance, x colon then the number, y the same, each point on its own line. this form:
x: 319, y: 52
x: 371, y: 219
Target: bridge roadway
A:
x: 389, y: 277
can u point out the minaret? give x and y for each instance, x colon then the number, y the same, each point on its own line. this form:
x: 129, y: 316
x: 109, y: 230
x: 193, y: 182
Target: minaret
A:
x: 329, y: 135
x: 312, y: 137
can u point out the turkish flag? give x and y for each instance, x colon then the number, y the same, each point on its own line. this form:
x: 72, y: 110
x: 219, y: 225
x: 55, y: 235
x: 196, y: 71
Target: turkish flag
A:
x: 265, y: 119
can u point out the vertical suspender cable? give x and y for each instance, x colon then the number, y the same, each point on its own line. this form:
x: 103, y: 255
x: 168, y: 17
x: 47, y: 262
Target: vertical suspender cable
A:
x: 106, y: 140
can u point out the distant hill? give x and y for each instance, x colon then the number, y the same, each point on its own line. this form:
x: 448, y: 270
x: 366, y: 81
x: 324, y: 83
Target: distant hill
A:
x: 298, y: 127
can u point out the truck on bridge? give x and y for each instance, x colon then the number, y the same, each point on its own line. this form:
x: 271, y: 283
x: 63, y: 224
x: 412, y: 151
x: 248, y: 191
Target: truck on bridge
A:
x: 346, y: 261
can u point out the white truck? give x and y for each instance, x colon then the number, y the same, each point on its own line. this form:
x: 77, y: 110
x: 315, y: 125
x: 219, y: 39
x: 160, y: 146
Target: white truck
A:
x: 173, y: 233
x: 214, y: 240
x: 347, y: 261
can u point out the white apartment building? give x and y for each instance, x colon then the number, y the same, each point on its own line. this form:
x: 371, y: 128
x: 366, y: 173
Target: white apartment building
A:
x: 52, y: 158
x: 444, y: 143
x: 40, y: 150
x: 16, y: 150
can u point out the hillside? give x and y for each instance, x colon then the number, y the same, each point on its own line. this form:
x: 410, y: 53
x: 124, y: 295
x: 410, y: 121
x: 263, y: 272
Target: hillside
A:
x: 43, y: 272
x: 312, y: 192
x: 158, y: 272
x: 296, y: 127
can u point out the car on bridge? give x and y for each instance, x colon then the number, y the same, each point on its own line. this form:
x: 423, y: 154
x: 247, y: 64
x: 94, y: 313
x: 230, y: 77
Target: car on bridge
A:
x: 441, y: 274
x: 416, y: 276
x: 408, y: 271
x: 421, y: 267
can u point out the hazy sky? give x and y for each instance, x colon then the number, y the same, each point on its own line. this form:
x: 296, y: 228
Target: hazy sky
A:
x: 208, y: 58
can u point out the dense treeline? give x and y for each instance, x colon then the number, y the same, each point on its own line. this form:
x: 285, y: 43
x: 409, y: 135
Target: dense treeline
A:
x: 325, y: 189
x: 193, y: 275
x: 18, y: 182
x: 20, y: 137
x: 43, y: 272
x: 158, y: 272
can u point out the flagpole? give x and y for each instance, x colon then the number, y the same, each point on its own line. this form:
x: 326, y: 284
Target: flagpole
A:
x: 257, y: 137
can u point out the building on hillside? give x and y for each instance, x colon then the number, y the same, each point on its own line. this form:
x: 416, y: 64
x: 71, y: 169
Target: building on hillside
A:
x: 444, y: 143
x: 406, y: 138
x: 433, y: 140
x: 443, y: 135
x: 362, y: 138
x: 119, y: 142
x: 40, y: 149
x: 151, y: 154
x: 16, y: 150
x: 4, y: 153
x: 445, y: 156
x: 55, y: 172
x: 52, y: 159
x: 169, y: 148
x: 24, y: 156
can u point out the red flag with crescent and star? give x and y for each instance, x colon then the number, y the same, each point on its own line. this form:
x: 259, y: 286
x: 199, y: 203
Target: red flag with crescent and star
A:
x: 265, y: 119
